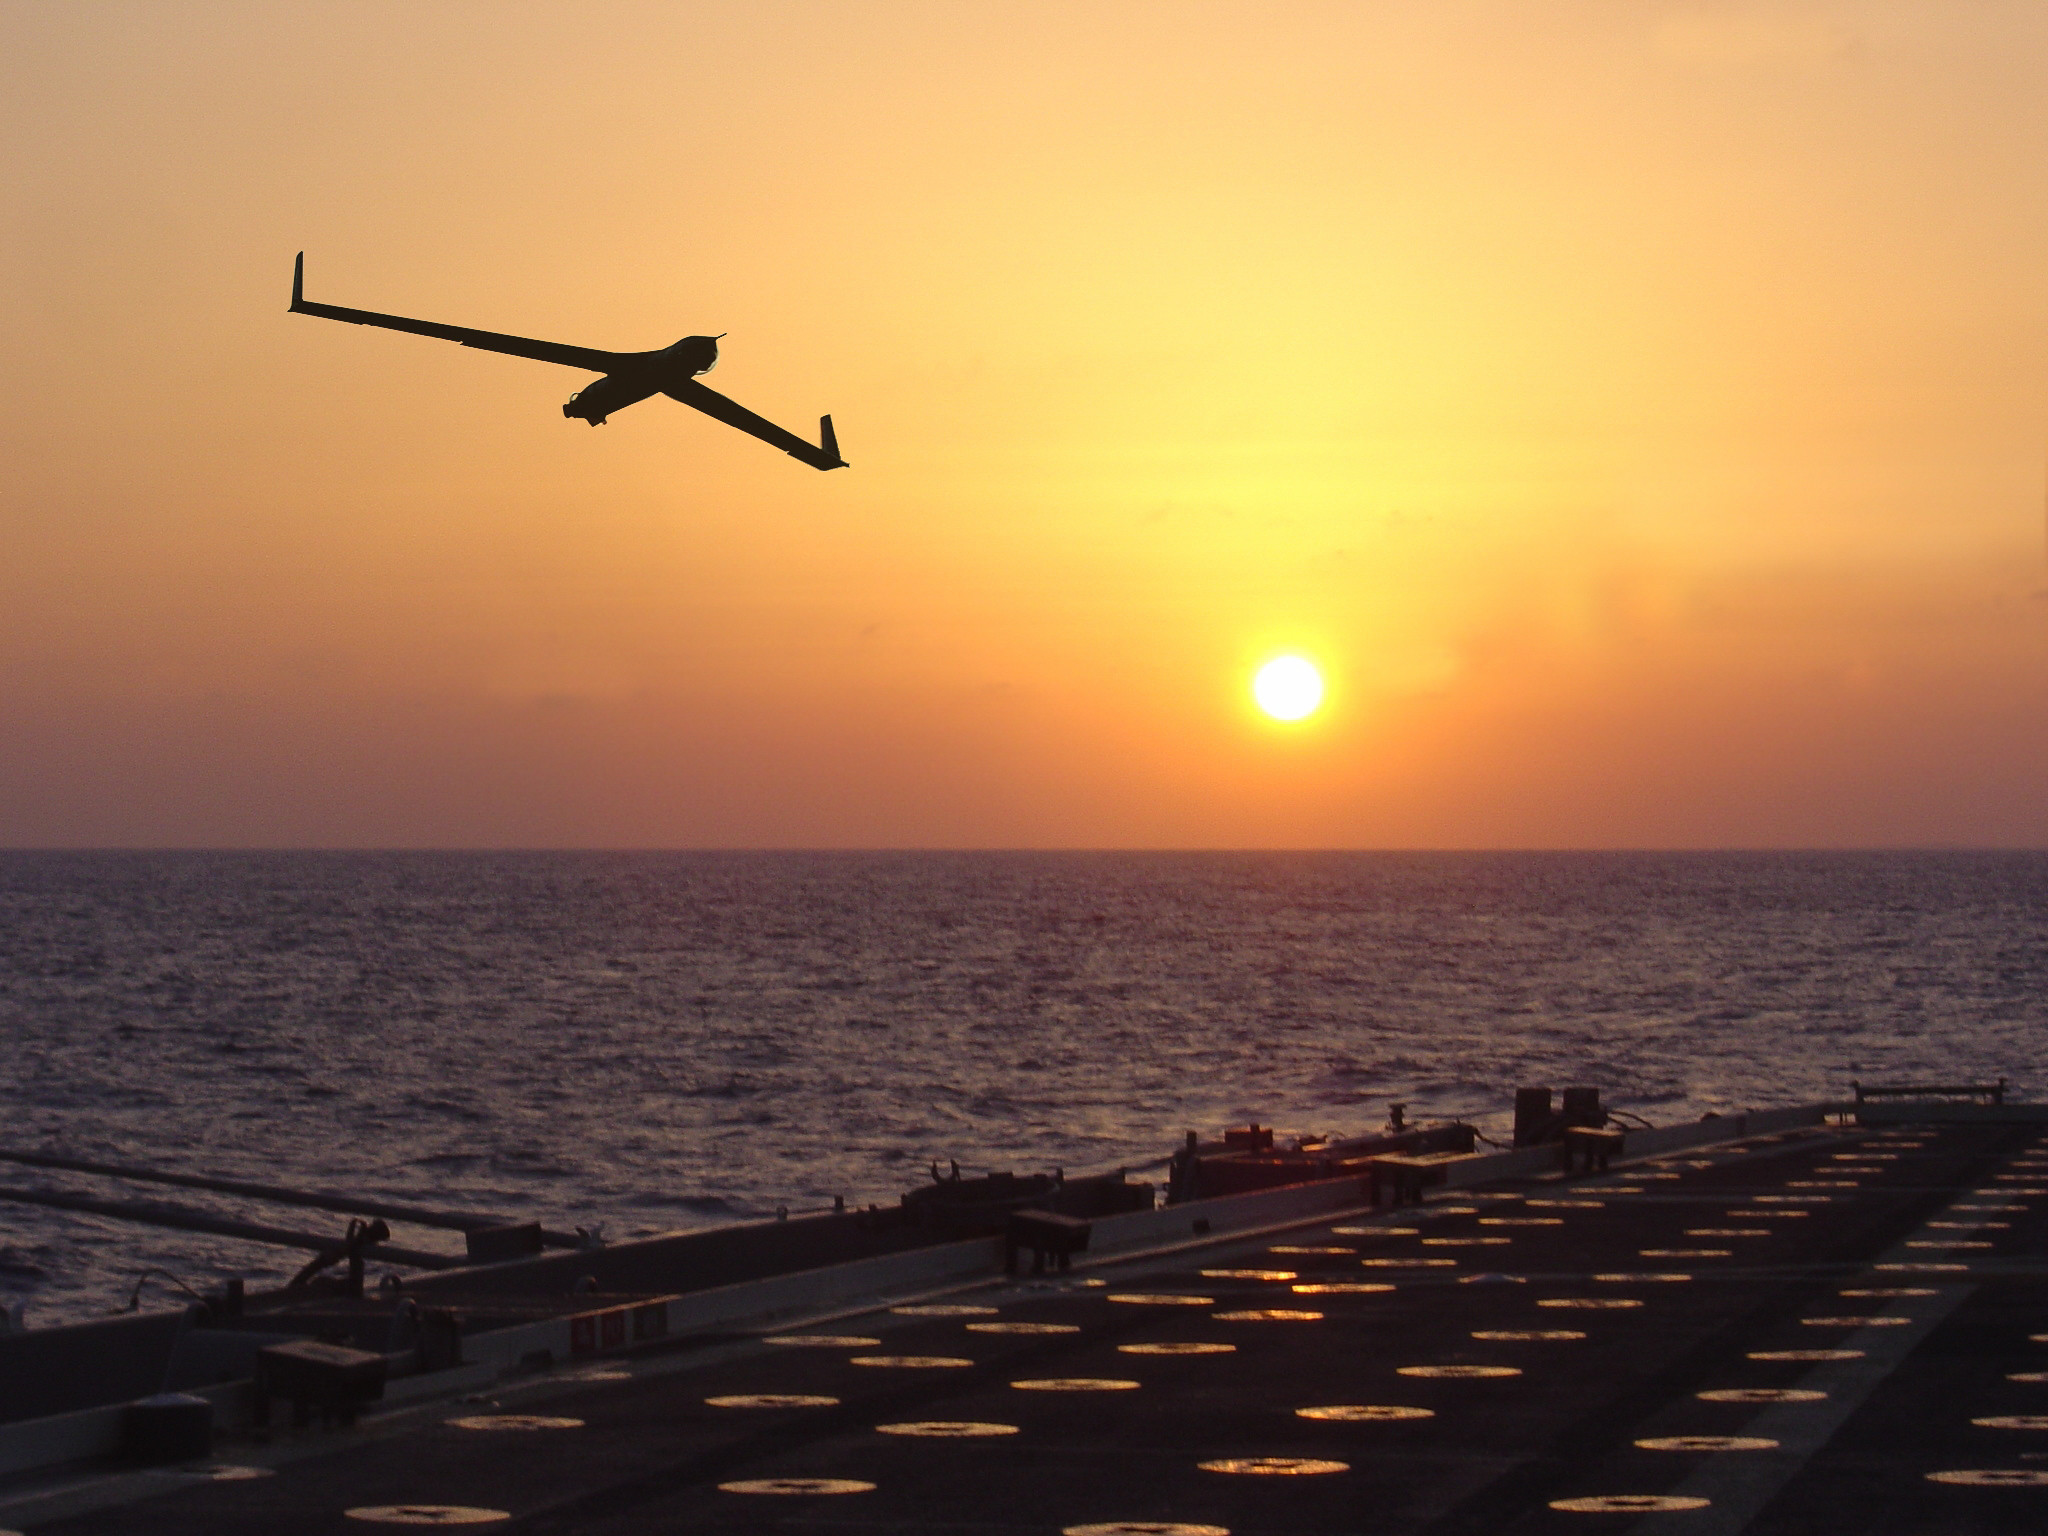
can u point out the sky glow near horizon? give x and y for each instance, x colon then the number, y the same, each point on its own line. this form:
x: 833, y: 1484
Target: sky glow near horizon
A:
x: 1638, y: 412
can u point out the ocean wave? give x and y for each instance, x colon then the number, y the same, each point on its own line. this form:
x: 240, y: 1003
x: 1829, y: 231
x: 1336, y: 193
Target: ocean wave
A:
x: 647, y: 1039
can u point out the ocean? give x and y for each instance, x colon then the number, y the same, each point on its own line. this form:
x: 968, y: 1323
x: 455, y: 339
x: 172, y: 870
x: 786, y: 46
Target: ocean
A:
x: 649, y: 1041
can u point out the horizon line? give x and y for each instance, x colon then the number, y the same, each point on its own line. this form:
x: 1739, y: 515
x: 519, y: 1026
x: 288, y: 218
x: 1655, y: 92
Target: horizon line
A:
x: 1014, y: 849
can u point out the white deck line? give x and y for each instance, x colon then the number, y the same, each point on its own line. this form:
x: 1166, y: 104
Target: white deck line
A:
x: 1739, y: 1485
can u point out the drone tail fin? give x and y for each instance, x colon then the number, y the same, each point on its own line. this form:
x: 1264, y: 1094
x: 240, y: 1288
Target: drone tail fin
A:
x: 299, y: 283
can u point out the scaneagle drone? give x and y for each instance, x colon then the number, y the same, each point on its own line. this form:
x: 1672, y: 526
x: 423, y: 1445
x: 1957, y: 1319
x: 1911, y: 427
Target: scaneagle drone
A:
x: 629, y: 377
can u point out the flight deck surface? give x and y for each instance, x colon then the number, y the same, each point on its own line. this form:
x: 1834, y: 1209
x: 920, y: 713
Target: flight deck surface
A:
x: 1829, y: 1331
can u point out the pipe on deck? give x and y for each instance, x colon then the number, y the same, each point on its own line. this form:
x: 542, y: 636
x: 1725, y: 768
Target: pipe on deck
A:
x: 221, y: 1226
x: 314, y: 1199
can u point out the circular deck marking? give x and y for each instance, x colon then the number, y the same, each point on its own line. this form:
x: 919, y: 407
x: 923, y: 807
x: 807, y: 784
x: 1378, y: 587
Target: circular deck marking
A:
x: 1466, y: 1242
x: 1145, y: 1528
x: 1620, y: 1189
x: 1590, y: 1303
x: 1922, y: 1268
x: 1409, y: 1263
x: 1295, y: 1248
x: 1949, y: 1243
x: 1987, y: 1207
x: 1682, y: 1253
x: 1707, y: 1443
x: 1767, y: 1215
x: 772, y: 1400
x: 798, y: 1485
x: 947, y: 1429
x: 912, y: 1362
x: 1888, y: 1292
x: 1791, y: 1199
x: 1274, y: 1466
x: 1991, y: 1477
x: 1459, y: 1372
x: 1521, y: 1221
x: 1567, y: 1205
x: 2027, y: 1376
x: 1074, y: 1384
x: 1854, y: 1322
x: 1365, y: 1413
x: 823, y: 1340
x: 2022, y: 1191
x: 426, y: 1514
x: 1454, y: 1210
x: 1627, y: 1504
x: 1250, y: 1274
x: 513, y: 1421
x: 1188, y: 1348
x: 1023, y: 1327
x: 1525, y: 1335
x: 2013, y: 1421
x: 1727, y: 1231
x: 1648, y: 1277
x: 1660, y: 1175
x: 1151, y: 1299
x: 1762, y: 1395
x: 1806, y: 1354
x: 1268, y: 1315
x: 1969, y: 1226
x: 1341, y: 1288
x: 1376, y: 1231
x: 944, y: 1309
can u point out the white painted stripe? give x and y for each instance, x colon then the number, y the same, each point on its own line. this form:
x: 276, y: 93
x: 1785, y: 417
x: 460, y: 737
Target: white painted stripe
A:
x: 1740, y: 1486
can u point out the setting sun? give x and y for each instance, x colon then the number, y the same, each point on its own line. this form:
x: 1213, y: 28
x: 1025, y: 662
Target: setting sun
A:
x: 1288, y: 688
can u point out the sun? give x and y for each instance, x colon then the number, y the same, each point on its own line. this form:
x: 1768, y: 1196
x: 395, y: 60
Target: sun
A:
x: 1288, y: 688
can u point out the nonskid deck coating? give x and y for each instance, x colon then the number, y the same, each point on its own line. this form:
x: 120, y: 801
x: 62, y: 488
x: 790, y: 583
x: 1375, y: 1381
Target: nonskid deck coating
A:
x: 1544, y: 1421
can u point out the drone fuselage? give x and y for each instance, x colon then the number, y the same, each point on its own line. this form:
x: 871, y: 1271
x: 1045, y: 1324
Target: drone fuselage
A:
x: 647, y: 373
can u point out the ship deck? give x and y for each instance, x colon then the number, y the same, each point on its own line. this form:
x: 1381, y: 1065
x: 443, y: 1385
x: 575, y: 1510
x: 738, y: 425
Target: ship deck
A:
x: 1835, y: 1330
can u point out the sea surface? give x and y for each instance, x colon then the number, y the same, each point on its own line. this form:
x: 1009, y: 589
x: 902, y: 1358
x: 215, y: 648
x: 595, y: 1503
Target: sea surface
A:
x: 644, y: 1041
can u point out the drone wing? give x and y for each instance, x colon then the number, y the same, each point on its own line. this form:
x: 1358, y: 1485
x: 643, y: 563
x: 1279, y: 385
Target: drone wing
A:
x: 733, y: 414
x: 488, y: 341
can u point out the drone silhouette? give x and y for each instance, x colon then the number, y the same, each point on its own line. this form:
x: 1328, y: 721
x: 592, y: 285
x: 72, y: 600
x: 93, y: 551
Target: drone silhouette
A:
x: 629, y: 377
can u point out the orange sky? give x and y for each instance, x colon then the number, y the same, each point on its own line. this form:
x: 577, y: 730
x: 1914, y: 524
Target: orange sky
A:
x: 1638, y: 410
